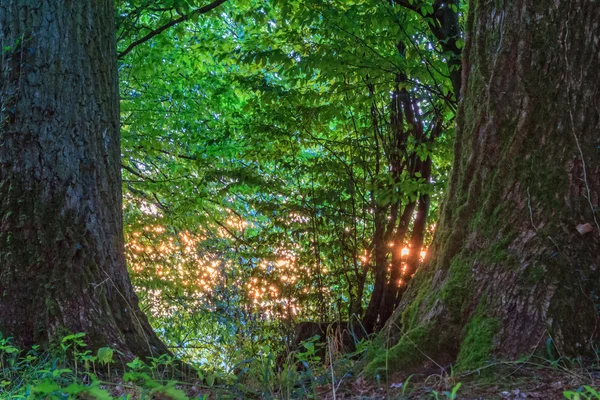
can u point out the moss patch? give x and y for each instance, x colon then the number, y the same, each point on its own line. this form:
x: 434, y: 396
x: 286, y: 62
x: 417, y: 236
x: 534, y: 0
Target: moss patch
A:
x: 534, y: 273
x: 478, y: 344
x: 410, y: 315
x: 408, y: 352
x: 455, y: 293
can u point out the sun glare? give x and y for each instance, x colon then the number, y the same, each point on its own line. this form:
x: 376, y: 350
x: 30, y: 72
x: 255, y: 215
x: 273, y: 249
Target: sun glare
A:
x: 178, y: 259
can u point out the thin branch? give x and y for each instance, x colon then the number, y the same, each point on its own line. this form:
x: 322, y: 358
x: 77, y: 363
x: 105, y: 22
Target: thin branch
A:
x: 183, y: 18
x: 136, y: 173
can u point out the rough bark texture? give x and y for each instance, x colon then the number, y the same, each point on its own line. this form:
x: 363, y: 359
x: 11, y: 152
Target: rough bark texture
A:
x: 62, y: 265
x: 508, y: 268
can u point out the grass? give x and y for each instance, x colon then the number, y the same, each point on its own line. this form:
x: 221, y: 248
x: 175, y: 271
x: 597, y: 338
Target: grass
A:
x: 72, y: 371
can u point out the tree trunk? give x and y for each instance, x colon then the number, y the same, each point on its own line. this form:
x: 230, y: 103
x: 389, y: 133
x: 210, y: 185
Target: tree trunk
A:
x: 371, y: 317
x: 62, y: 264
x: 508, y: 268
x: 420, y: 225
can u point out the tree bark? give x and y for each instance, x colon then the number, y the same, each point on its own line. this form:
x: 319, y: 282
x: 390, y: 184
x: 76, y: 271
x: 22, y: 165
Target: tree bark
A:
x: 62, y: 264
x: 393, y: 287
x: 372, y: 317
x: 420, y: 225
x: 508, y: 268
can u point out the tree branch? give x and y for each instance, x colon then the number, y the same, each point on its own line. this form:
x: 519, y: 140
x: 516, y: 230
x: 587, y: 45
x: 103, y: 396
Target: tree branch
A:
x: 173, y: 22
x: 444, y: 25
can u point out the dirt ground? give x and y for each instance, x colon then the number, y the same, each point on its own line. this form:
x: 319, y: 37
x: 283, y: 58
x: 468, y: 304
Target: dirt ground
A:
x: 504, y: 382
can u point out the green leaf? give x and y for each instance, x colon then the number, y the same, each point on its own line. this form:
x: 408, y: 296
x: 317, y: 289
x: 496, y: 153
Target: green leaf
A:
x: 210, y: 380
x: 105, y: 355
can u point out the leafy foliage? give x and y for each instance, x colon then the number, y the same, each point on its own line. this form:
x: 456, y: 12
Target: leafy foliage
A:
x: 37, y: 374
x: 260, y: 151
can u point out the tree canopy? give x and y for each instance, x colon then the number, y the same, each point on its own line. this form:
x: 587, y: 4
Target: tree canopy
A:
x: 261, y: 143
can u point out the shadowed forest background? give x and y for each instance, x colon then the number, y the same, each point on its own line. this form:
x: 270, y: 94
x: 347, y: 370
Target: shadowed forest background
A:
x: 307, y: 199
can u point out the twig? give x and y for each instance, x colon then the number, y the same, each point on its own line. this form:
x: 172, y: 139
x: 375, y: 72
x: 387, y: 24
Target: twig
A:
x: 331, y: 367
x: 530, y: 355
x: 572, y: 120
x: 530, y: 212
x: 183, y: 18
x: 405, y: 336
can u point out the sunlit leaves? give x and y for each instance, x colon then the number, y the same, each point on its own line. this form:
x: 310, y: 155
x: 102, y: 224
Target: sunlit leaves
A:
x: 261, y: 112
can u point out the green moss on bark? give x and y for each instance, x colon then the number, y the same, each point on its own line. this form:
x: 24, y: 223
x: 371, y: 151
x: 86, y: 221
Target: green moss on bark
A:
x: 533, y: 274
x: 455, y: 293
x: 409, y: 316
x: 408, y: 352
x: 478, y: 344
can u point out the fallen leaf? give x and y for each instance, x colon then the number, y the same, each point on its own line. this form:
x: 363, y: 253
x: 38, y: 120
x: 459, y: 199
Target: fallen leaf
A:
x: 584, y: 228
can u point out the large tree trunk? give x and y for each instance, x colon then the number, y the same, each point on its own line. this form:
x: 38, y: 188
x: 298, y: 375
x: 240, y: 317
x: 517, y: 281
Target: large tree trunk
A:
x: 62, y: 265
x: 509, y: 268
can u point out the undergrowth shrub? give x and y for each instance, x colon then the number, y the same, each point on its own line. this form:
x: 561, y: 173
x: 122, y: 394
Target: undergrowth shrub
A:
x: 72, y: 371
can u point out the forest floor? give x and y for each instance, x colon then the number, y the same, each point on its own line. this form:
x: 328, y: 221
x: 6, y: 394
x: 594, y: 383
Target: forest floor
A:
x: 77, y: 375
x: 509, y: 382
x: 520, y: 382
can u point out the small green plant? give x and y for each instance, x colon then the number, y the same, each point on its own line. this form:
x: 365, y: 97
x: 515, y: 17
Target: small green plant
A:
x: 55, y: 375
x: 451, y: 395
x: 105, y: 357
x: 406, y: 385
x: 583, y: 393
x: 8, y: 353
x: 309, y: 363
x: 74, y: 343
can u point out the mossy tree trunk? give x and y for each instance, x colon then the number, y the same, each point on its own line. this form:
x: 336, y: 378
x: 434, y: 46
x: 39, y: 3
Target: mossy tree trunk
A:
x: 509, y: 267
x: 62, y: 264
